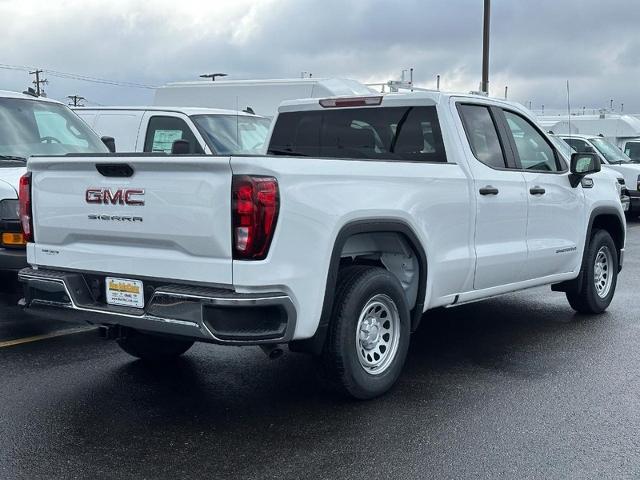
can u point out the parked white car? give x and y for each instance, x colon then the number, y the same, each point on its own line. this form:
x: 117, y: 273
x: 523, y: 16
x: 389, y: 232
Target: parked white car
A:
x: 367, y: 212
x: 621, y: 130
x: 207, y: 131
x: 567, y: 150
x: 31, y: 126
x: 613, y: 158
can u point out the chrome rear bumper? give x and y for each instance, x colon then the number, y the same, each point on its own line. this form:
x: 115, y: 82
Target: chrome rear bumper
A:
x: 205, y: 314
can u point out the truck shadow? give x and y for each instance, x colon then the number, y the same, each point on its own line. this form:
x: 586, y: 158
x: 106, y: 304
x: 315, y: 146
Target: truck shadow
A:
x: 221, y: 406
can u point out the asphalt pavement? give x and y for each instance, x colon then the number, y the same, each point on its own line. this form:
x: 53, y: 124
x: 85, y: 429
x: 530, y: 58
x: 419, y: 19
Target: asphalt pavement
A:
x: 513, y: 387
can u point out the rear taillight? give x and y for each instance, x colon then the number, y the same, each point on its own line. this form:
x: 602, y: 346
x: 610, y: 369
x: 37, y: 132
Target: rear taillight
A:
x: 26, y: 214
x: 638, y: 183
x: 255, y: 203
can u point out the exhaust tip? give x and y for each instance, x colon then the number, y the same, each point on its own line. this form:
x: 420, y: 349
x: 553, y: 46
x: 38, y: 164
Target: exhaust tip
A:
x: 272, y: 351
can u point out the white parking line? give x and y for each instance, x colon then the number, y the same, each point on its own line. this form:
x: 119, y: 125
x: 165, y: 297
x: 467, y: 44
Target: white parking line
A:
x: 37, y: 338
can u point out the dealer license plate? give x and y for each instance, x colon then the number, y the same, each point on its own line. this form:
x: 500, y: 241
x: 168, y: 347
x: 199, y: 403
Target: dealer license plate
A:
x: 122, y: 291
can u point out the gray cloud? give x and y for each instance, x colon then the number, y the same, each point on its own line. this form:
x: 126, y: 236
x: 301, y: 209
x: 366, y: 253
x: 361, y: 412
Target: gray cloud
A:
x: 536, y: 46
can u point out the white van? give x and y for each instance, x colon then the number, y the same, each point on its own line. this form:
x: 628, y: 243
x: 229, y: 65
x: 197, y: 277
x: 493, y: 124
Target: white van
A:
x: 260, y: 96
x: 154, y: 129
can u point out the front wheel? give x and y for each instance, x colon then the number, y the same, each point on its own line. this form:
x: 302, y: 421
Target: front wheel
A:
x: 599, y: 275
x: 369, y: 332
x: 152, y: 347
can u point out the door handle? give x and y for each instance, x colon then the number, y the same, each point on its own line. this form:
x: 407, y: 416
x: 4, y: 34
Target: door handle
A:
x: 537, y: 190
x: 489, y: 190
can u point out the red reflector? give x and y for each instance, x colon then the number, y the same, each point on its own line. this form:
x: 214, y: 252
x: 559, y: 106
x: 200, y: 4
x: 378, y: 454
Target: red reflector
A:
x: 350, y: 102
x: 26, y: 216
x: 255, y: 205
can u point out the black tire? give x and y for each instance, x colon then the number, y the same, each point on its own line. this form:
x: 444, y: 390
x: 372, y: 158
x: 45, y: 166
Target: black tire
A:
x: 152, y: 347
x: 357, y: 287
x: 586, y: 299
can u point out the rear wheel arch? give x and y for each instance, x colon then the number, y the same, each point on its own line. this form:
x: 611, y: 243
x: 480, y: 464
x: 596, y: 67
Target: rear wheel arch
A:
x: 348, y: 231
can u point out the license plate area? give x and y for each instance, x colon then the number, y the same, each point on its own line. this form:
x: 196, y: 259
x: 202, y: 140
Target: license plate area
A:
x: 124, y: 292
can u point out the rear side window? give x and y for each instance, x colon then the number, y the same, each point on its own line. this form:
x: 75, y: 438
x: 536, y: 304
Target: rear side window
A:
x: 163, y: 131
x: 482, y: 135
x: 387, y: 133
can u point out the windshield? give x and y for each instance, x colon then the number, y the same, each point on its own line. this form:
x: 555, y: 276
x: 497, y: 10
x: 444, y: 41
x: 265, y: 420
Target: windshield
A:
x: 565, y: 149
x: 233, y: 134
x: 32, y: 127
x: 609, y: 151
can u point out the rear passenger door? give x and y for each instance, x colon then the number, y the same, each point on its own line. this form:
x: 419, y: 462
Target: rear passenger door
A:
x: 501, y: 200
x: 164, y: 128
x: 555, y: 220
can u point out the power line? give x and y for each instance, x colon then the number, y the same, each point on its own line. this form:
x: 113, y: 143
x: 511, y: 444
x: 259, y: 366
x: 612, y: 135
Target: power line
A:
x: 75, y: 76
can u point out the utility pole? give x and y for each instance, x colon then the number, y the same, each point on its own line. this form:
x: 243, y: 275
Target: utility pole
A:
x: 74, y: 100
x: 37, y: 82
x: 484, y: 86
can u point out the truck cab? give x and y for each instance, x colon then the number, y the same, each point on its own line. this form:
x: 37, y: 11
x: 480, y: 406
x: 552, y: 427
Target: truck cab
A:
x: 206, y: 131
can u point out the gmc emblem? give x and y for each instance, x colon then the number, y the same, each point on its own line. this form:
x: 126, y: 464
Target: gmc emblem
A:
x: 121, y: 196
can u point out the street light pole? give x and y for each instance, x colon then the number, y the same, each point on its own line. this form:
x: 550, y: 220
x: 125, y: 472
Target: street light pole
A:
x: 485, y: 47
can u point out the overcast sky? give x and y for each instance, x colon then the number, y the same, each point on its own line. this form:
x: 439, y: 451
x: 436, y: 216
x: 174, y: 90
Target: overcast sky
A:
x: 536, y: 45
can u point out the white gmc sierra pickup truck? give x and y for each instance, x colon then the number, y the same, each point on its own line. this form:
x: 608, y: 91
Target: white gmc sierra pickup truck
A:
x: 365, y: 213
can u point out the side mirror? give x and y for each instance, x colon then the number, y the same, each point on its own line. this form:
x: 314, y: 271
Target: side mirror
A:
x: 110, y: 142
x: 181, y: 147
x: 583, y: 164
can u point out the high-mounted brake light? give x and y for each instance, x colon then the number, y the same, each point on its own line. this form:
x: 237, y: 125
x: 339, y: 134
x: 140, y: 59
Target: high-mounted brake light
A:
x: 350, y: 102
x: 26, y: 214
x: 255, y: 203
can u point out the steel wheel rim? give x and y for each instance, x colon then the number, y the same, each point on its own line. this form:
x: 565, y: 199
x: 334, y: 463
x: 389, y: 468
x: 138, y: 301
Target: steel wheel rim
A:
x: 378, y: 334
x: 603, y: 271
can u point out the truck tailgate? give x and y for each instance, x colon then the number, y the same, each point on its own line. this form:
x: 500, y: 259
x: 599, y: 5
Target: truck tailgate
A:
x: 169, y: 219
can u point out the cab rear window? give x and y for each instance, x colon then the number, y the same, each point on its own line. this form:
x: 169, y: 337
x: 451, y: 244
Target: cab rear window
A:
x: 383, y: 133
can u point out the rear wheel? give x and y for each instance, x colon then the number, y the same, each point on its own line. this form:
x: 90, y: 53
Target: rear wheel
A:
x: 152, y: 347
x: 599, y: 275
x: 369, y: 332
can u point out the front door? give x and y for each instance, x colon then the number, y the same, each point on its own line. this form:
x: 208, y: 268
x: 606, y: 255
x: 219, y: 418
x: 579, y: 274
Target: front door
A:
x: 555, y: 220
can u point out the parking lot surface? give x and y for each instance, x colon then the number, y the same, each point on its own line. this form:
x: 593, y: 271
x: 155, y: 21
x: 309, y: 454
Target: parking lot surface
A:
x: 514, y: 387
